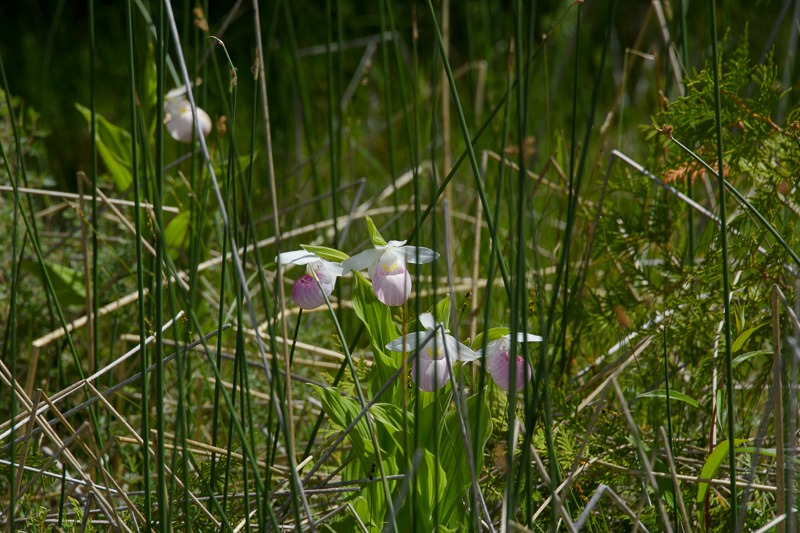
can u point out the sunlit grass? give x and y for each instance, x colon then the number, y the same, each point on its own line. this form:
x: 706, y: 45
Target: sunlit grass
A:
x: 535, y: 212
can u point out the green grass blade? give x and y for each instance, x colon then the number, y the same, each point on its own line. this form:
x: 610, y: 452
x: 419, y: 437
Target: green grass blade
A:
x: 729, y: 384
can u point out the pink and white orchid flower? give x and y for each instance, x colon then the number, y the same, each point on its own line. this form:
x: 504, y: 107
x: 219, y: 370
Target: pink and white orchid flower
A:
x: 178, y: 116
x: 434, y: 347
x: 306, y: 291
x: 386, y: 265
x: 498, y: 362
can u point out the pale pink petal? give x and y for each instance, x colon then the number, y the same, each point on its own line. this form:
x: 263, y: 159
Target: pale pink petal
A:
x: 499, y: 366
x: 433, y: 373
x: 391, y: 284
x: 306, y: 293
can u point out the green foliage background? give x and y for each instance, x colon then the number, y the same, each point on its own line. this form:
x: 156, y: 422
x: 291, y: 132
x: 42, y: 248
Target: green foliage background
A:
x: 643, y: 262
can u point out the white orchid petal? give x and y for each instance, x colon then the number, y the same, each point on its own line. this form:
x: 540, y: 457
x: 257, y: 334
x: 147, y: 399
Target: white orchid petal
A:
x: 526, y: 337
x: 179, y: 120
x: 334, y: 269
x: 418, y: 255
x: 410, y: 342
x: 176, y: 92
x: 400, y: 344
x: 459, y: 352
x: 394, y: 244
x: 427, y: 321
x: 361, y: 261
x: 296, y: 257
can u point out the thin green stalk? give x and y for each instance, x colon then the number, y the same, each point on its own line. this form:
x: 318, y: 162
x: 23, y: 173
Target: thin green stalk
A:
x: 363, y: 403
x: 240, y: 352
x: 158, y: 274
x: 520, y: 304
x: 675, y: 486
x: 333, y: 111
x: 412, y: 130
x: 336, y: 380
x: 12, y: 314
x: 95, y: 219
x: 217, y: 384
x: 387, y: 102
x: 725, y: 274
x: 291, y: 360
x: 301, y: 89
x: 490, y: 221
x: 516, y: 284
x: 32, y: 232
x: 229, y: 448
x: 684, y: 8
x: 487, y: 305
x: 572, y: 197
x: 298, y: 492
x: 575, y: 188
x: 229, y: 109
x: 143, y: 388
x: 336, y: 147
x: 435, y: 134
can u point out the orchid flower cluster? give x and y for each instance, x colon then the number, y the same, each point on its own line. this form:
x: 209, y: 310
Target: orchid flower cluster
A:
x: 385, y: 263
x: 436, y: 350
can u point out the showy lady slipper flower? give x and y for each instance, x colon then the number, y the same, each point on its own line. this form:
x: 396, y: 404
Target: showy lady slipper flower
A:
x: 434, y: 347
x: 386, y: 265
x: 178, y: 116
x: 498, y: 361
x: 306, y: 291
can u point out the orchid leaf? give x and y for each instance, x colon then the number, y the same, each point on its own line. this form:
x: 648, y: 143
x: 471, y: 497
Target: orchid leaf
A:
x: 745, y: 336
x: 375, y: 235
x: 673, y: 395
x: 341, y: 412
x: 67, y: 282
x: 114, y: 147
x: 441, y: 311
x: 455, y: 463
x: 176, y: 234
x: 431, y: 487
x: 329, y: 254
x: 749, y: 355
x: 710, y: 469
x: 492, y: 334
x: 377, y: 319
